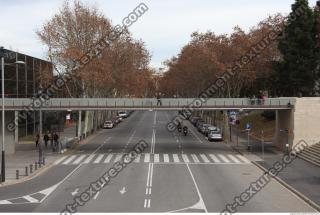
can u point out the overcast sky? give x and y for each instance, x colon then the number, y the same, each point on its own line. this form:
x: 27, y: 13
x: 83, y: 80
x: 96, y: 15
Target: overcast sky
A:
x: 165, y: 27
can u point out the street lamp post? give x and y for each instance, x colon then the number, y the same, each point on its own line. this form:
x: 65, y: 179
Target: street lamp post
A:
x: 40, y: 129
x: 3, y: 169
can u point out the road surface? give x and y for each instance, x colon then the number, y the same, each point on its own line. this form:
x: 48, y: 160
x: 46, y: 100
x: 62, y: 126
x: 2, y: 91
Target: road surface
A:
x: 174, y: 174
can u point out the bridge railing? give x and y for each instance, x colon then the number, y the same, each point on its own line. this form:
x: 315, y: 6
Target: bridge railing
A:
x: 152, y: 102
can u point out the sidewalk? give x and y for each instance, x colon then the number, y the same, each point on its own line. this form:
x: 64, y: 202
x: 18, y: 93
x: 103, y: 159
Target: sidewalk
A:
x: 27, y: 154
x: 300, y: 175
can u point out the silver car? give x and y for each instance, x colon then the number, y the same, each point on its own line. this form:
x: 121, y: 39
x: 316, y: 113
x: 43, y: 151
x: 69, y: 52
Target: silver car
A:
x: 215, y: 136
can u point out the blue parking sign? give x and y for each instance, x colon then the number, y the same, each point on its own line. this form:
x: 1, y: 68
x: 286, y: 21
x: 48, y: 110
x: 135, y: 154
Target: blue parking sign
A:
x: 248, y: 126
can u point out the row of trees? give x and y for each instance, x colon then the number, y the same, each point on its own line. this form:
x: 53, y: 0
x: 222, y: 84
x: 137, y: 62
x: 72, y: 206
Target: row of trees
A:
x: 121, y: 70
x: 286, y: 66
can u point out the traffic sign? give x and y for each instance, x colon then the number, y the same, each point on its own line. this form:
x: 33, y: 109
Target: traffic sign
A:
x: 248, y: 126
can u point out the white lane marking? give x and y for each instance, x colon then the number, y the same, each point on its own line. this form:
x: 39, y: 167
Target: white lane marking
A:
x: 153, y: 141
x: 118, y: 158
x: 59, y: 161
x: 195, y: 159
x: 233, y: 159
x: 147, y: 191
x: 69, y: 159
x: 108, y: 158
x: 155, y: 118
x: 75, y: 192
x: 96, y: 196
x: 148, y: 176
x: 137, y: 160
x: 166, y: 158
x: 149, y: 202
x: 223, y: 158
x: 185, y: 158
x: 79, y: 159
x: 147, y: 158
x: 156, y: 158
x: 243, y: 158
x: 145, y: 203
x: 175, y: 158
x: 151, y: 175
x: 89, y: 158
x: 214, y: 158
x: 31, y: 199
x: 204, y: 158
x: 201, y: 202
x: 98, y: 159
x: 5, y: 202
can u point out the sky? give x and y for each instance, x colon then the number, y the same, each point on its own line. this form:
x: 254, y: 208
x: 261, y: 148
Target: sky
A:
x: 165, y: 28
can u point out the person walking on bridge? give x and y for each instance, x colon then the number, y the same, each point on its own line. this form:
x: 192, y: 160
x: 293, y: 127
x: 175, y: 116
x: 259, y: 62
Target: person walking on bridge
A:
x: 159, y: 103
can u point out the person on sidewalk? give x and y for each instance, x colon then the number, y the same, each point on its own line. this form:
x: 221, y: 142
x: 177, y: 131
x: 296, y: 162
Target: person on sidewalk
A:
x: 159, y: 103
x: 37, y: 140
x: 56, y: 141
x: 46, y: 139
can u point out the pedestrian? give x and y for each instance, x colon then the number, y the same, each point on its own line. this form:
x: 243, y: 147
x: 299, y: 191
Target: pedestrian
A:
x: 55, y: 140
x: 159, y: 103
x: 51, y: 140
x: 46, y: 139
x: 37, y: 140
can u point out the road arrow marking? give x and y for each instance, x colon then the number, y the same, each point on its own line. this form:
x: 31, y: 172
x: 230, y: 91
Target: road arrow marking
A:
x: 75, y: 192
x: 123, y: 191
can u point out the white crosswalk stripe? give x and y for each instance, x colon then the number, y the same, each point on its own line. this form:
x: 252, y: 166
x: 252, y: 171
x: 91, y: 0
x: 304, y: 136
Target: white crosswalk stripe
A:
x: 204, y: 158
x: 108, y: 158
x: 98, y: 159
x: 166, y: 158
x: 137, y: 160
x: 195, y: 158
x: 220, y: 158
x: 175, y: 158
x: 118, y: 158
x: 223, y: 158
x: 79, y: 159
x: 233, y: 159
x: 185, y: 158
x: 89, y: 159
x: 69, y: 159
x: 147, y: 158
x: 156, y: 158
x: 214, y: 158
x: 243, y: 158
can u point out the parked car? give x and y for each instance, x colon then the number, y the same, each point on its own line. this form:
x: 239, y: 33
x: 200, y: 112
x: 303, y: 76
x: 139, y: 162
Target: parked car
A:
x: 204, y: 128
x: 209, y: 129
x: 215, y: 136
x: 200, y: 122
x: 108, y: 124
x: 116, y: 120
x: 194, y: 120
x: 123, y: 114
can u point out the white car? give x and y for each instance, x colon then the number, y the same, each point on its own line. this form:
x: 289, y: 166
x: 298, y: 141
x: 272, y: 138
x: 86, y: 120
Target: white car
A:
x: 108, y: 124
x: 123, y: 114
x: 215, y: 135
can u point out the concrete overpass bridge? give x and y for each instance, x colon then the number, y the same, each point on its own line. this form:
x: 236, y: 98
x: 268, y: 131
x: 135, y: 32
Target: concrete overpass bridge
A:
x: 299, y: 116
x: 152, y: 103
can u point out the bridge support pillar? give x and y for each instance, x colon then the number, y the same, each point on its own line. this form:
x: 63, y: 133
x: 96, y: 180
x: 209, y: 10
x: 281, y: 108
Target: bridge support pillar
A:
x: 9, y: 141
x: 79, y: 132
x: 284, y: 128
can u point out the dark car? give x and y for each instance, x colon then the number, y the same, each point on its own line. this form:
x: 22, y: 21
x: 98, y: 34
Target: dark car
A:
x: 194, y: 120
x: 199, y: 124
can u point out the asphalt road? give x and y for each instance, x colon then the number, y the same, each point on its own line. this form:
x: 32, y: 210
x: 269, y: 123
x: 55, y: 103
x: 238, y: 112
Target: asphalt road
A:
x: 174, y: 174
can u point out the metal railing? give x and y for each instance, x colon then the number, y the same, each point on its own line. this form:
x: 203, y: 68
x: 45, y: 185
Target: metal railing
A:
x: 174, y: 103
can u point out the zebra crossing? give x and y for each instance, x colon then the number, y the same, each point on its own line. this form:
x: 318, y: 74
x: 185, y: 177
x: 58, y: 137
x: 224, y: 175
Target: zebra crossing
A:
x: 209, y: 158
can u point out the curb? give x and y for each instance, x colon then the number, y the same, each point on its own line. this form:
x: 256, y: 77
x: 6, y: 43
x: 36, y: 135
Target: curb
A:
x: 286, y: 185
x: 302, y: 196
x: 47, y: 167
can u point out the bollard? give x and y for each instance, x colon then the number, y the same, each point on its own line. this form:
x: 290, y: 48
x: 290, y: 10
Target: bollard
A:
x: 44, y: 161
x: 17, y: 174
x: 31, y: 168
x: 35, y: 166
x: 26, y: 171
